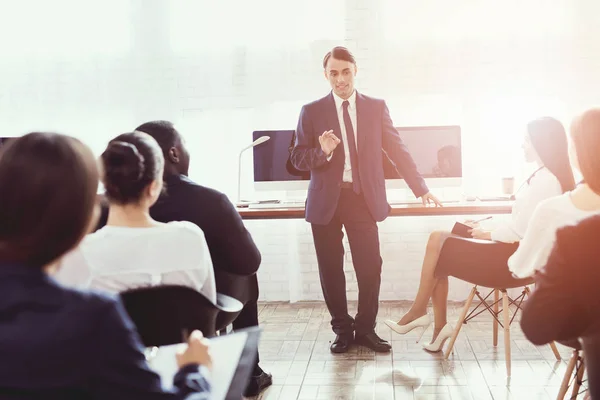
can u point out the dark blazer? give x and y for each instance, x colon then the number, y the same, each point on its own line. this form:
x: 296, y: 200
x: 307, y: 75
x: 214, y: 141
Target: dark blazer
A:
x: 60, y: 343
x: 565, y: 304
x: 375, y: 133
x: 231, y: 246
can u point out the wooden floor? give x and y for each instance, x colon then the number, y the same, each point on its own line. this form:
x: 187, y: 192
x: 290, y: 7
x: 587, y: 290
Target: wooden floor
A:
x: 295, y: 349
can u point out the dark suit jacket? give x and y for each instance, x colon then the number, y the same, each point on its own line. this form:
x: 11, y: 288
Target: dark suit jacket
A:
x: 375, y: 133
x: 231, y: 246
x: 60, y: 343
x: 565, y: 304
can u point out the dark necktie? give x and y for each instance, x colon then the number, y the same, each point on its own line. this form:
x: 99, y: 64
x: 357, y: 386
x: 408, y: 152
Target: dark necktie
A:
x: 352, y: 148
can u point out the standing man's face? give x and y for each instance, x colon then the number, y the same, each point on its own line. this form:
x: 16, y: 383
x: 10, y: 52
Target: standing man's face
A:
x: 341, y: 77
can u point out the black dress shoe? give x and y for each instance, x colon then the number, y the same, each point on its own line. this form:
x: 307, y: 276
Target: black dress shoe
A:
x: 258, y: 383
x: 373, y: 342
x: 342, y: 343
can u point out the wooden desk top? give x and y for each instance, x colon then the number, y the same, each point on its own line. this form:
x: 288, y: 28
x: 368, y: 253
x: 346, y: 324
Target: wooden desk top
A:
x: 405, y: 210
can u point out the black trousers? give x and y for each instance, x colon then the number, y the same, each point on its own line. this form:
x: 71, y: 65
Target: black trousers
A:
x: 363, y: 236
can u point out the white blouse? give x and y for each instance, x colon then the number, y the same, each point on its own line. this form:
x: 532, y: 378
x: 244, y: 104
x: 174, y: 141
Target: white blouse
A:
x: 119, y: 258
x: 535, y: 248
x: 541, y: 186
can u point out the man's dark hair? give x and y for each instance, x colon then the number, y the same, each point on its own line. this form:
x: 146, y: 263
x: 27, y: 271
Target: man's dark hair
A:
x: 131, y: 162
x: 163, y: 132
x: 49, y: 184
x: 339, y: 53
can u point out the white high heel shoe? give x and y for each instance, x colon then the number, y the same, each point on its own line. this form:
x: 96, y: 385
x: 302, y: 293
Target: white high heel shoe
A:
x: 421, y: 322
x: 439, y: 341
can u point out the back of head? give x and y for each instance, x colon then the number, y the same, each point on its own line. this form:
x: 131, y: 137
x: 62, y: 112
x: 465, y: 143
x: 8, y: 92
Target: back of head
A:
x: 585, y: 132
x: 49, y: 184
x: 163, y: 132
x: 549, y: 140
x: 131, y: 162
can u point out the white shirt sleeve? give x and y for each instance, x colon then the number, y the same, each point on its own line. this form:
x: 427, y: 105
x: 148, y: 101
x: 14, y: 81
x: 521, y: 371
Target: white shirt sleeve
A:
x: 542, y: 186
x: 534, y: 250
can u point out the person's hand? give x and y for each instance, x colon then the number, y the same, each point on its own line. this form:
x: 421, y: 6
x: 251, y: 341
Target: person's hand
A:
x: 197, y: 352
x: 471, y: 223
x: 428, y: 198
x: 478, y: 233
x: 328, y: 142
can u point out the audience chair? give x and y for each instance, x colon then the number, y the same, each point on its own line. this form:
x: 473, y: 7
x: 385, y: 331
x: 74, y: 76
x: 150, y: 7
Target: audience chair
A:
x: 455, y: 250
x: 240, y: 287
x: 168, y: 314
x: 574, y: 373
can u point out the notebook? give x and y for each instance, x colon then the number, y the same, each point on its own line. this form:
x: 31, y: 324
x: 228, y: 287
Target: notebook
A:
x: 233, y: 361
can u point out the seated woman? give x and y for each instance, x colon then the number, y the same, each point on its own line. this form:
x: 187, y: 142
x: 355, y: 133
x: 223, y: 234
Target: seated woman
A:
x: 55, y: 342
x: 567, y: 209
x: 134, y: 250
x: 545, y: 144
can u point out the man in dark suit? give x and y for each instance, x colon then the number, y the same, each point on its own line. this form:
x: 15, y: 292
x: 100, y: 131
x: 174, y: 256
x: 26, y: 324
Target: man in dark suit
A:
x: 341, y: 140
x: 231, y: 246
x: 564, y: 305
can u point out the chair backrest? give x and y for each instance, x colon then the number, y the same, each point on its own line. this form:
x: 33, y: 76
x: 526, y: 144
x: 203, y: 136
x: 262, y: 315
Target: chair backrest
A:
x: 236, y: 286
x: 163, y: 314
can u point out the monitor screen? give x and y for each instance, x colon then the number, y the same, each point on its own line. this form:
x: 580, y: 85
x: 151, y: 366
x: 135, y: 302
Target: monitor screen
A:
x: 436, y: 151
x: 272, y: 158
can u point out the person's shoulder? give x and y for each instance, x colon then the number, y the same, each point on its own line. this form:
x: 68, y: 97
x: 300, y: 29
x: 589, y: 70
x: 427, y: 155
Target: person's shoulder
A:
x: 546, y: 178
x: 184, y: 229
x: 555, y: 203
x: 317, y: 103
x: 371, y: 99
x: 202, y: 193
x: 578, y: 243
x: 84, y: 303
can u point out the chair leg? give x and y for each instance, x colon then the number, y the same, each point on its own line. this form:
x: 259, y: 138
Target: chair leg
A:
x: 564, y: 386
x: 506, y: 313
x: 555, y: 351
x: 578, y: 379
x: 460, y: 322
x: 495, y: 322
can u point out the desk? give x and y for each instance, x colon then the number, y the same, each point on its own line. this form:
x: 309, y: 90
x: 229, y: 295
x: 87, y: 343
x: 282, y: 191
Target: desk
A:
x: 289, y: 269
x: 407, y: 210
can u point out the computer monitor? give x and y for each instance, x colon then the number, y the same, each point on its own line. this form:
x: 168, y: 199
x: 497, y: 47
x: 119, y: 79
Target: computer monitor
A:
x: 273, y: 169
x: 436, y: 151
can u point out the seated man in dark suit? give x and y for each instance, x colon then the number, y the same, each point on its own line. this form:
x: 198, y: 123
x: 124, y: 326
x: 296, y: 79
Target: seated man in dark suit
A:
x: 564, y: 305
x: 231, y: 246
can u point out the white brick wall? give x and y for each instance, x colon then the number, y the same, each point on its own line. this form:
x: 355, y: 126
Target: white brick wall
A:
x: 97, y: 79
x: 289, y: 269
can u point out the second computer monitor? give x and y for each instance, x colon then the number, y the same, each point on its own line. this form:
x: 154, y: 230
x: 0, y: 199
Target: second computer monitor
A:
x: 436, y: 151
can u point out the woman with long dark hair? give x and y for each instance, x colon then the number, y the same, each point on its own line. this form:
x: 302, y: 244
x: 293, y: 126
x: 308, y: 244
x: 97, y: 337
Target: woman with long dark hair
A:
x: 545, y: 144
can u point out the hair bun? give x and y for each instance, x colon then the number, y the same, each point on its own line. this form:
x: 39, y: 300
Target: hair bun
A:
x: 123, y: 163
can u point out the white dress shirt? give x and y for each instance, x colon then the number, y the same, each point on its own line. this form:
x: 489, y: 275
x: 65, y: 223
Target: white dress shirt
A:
x: 115, y: 259
x: 535, y: 248
x: 347, y: 176
x: 542, y: 186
